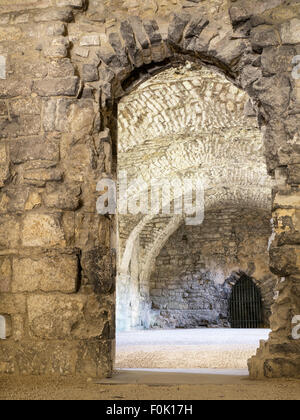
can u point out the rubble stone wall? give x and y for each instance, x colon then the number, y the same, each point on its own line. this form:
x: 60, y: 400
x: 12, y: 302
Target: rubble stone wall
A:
x: 190, y: 283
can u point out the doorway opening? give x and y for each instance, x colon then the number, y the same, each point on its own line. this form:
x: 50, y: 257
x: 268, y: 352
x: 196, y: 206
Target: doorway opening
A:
x: 245, y: 307
x: 178, y: 282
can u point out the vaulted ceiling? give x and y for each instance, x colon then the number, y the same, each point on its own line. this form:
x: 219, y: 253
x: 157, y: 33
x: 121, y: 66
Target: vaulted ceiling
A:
x: 190, y: 122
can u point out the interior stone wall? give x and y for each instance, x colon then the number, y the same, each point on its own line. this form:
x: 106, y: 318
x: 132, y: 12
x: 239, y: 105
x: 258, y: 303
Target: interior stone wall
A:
x: 191, y: 279
x: 65, y: 64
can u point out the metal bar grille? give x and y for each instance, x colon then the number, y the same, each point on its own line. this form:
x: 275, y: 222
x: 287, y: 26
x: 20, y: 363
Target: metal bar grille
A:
x: 245, y: 307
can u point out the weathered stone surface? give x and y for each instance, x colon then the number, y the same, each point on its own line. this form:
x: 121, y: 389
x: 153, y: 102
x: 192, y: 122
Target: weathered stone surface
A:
x: 290, y: 32
x: 152, y: 30
x: 39, y: 177
x: 23, y: 125
x: 42, y: 230
x: 64, y: 15
x: 277, y: 60
x: 97, y: 266
x: 73, y: 3
x: 177, y: 27
x: 67, y: 197
x: 60, y: 317
x: 135, y: 53
x: 9, y: 232
x: 90, y: 40
x: 34, y: 148
x: 13, y: 88
x: 285, y: 261
x: 61, y: 68
x: 56, y: 29
x: 29, y: 106
x: 55, y: 274
x: 12, y: 304
x: 4, y: 165
x: 5, y: 275
x: 264, y: 36
x: 56, y: 87
x: 90, y: 73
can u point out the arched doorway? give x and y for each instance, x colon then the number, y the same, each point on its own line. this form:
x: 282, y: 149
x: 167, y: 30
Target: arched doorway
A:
x: 245, y: 307
x: 188, y: 121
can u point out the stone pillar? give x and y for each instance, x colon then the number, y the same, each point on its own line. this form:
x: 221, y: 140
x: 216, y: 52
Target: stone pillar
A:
x: 280, y: 356
x: 57, y: 270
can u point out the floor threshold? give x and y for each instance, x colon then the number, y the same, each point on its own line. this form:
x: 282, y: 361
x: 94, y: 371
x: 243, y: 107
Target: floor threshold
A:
x: 177, y: 377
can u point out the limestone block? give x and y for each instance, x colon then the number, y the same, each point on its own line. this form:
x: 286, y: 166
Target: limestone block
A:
x: 13, y: 88
x: 9, y: 232
x: 13, y: 200
x: 128, y: 35
x: 42, y: 230
x: 95, y: 358
x: 152, y: 30
x: 23, y: 125
x: 117, y: 45
x: 99, y: 267
x: 33, y: 201
x: 82, y: 52
x: 78, y: 4
x: 56, y: 29
x: 90, y: 73
x: 4, y: 165
x: 177, y: 27
x: 65, y: 197
x: 54, y: 14
x: 5, y: 275
x: 291, y: 199
x: 61, y: 68
x: 12, y: 304
x: 56, y: 87
x: 54, y: 317
x: 2, y: 67
x: 5, y: 327
x: 3, y: 109
x: 29, y: 106
x: 18, y: 322
x: 242, y: 10
x: 285, y: 260
x: 34, y: 148
x: 264, y: 36
x: 66, y: 115
x: 139, y: 32
x: 277, y: 60
x: 81, y: 157
x: 39, y: 177
x: 61, y: 317
x: 290, y: 32
x: 294, y: 174
x: 50, y: 274
x: 90, y: 40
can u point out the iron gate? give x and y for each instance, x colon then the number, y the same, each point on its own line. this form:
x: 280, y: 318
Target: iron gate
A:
x: 245, y: 307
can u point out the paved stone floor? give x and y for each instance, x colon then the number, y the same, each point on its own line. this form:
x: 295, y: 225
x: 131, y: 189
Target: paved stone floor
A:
x: 141, y: 387
x: 188, y: 349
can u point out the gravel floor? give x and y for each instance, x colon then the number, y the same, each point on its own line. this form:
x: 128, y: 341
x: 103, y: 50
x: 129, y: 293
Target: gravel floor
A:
x: 186, y: 349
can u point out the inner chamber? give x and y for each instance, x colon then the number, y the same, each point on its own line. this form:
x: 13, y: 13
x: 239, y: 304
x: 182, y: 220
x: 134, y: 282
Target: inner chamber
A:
x: 189, y: 122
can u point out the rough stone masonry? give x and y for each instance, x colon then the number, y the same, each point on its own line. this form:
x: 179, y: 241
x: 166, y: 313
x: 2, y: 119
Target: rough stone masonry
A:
x: 64, y: 65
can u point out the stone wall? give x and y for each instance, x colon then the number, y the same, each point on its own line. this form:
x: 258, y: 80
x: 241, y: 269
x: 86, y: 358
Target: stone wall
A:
x: 64, y: 66
x: 188, y: 283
